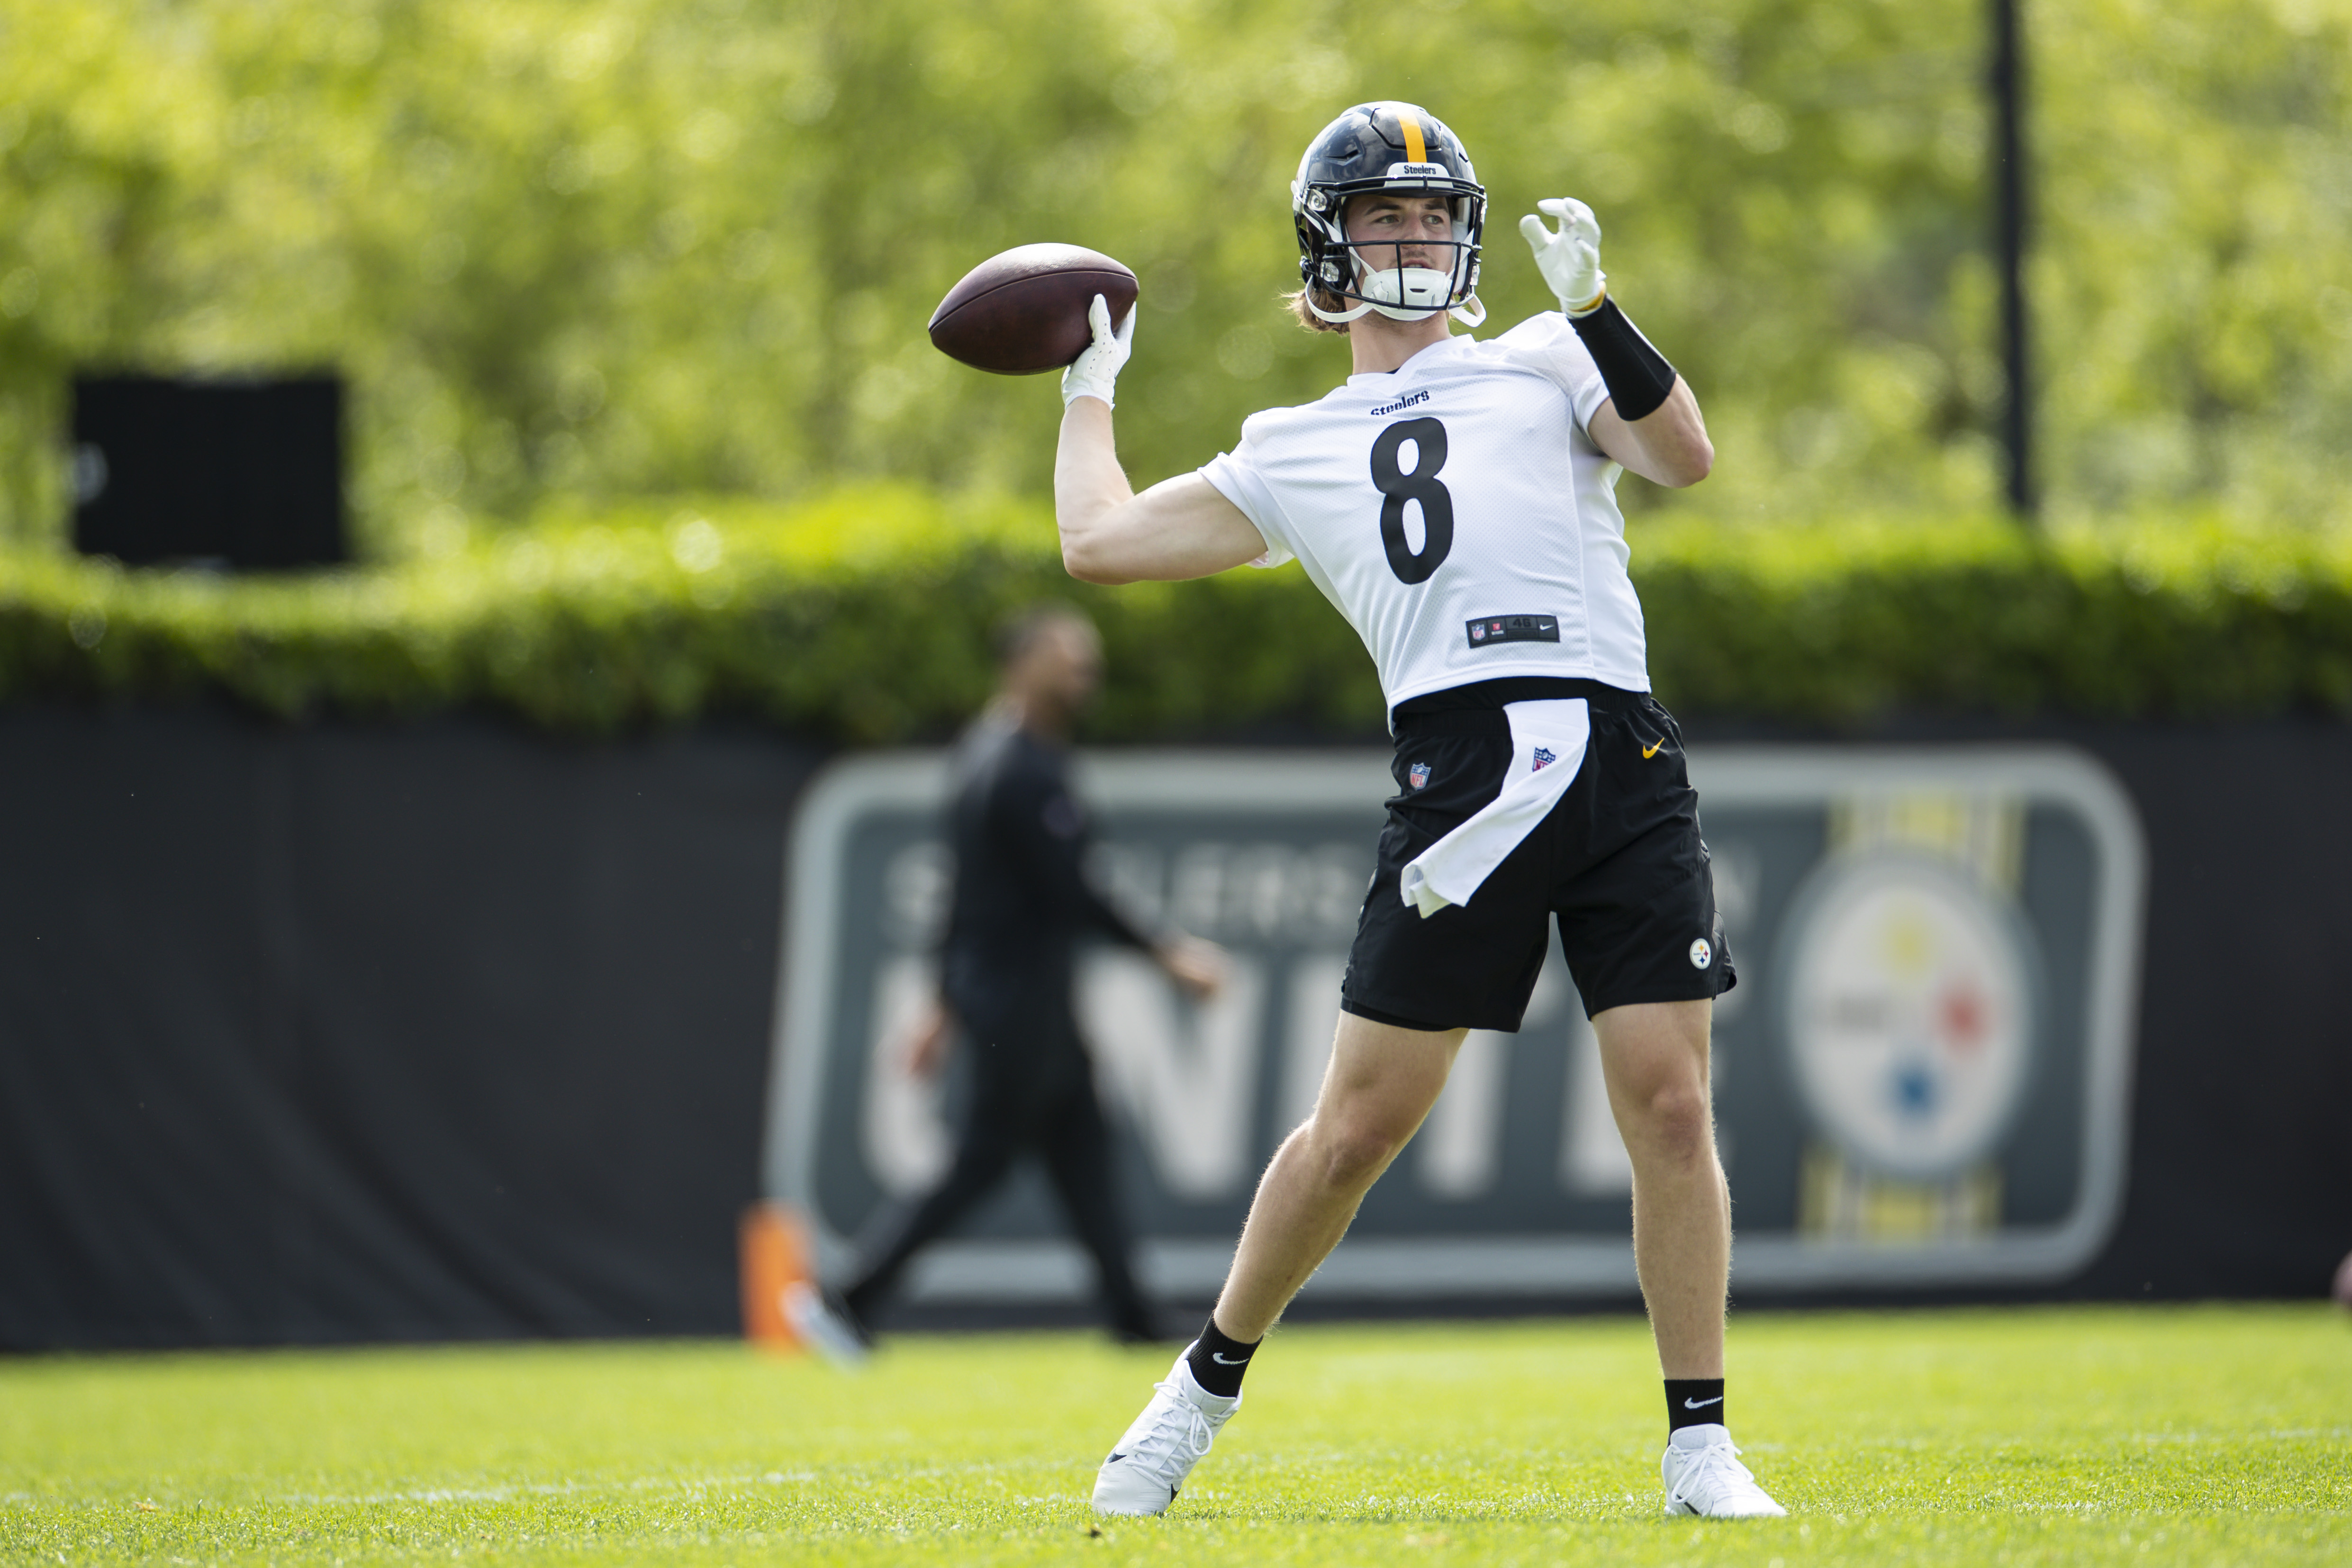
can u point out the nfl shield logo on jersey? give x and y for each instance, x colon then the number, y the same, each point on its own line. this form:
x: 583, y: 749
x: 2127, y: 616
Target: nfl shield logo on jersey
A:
x: 1417, y: 775
x: 1545, y: 758
x: 1478, y: 632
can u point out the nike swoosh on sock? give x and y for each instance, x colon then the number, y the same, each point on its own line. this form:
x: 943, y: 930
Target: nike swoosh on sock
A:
x: 1701, y: 1404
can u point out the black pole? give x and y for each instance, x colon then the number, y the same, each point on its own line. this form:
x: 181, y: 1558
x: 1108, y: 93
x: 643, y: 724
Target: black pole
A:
x: 2008, y: 228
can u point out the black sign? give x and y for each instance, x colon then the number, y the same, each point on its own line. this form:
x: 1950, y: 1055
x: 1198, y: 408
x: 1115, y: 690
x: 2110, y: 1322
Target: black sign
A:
x: 240, y: 473
x: 1920, y: 1077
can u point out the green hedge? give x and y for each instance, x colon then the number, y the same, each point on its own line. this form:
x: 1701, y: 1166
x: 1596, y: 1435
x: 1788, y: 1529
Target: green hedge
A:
x: 2170, y: 619
x: 865, y: 616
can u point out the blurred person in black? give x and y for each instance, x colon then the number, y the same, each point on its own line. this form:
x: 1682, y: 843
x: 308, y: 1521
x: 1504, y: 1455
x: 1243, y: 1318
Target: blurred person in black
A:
x: 1021, y: 902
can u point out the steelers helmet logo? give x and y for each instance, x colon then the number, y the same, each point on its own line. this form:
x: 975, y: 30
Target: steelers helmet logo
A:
x: 1702, y: 953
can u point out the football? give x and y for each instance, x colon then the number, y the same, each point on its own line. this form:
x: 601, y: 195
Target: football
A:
x: 1025, y: 311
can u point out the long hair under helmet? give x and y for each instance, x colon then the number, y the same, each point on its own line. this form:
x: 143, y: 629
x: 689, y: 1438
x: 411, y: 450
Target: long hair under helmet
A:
x: 1389, y: 146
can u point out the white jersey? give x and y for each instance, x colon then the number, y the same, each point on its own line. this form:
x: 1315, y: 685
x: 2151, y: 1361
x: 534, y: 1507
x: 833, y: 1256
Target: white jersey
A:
x: 1456, y: 512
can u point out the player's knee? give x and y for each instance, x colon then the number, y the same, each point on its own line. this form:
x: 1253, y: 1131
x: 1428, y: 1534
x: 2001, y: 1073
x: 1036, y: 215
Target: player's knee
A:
x: 1677, y: 1124
x: 1353, y: 1150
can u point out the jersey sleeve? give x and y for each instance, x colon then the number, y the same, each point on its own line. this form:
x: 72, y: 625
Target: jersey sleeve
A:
x: 1237, y: 478
x: 1548, y: 344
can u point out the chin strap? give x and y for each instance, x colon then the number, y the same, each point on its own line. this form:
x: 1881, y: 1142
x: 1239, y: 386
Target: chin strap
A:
x: 1470, y: 312
x: 1342, y: 316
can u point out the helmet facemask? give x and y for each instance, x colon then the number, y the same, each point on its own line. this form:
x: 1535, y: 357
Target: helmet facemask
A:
x: 1372, y: 273
x: 1397, y: 149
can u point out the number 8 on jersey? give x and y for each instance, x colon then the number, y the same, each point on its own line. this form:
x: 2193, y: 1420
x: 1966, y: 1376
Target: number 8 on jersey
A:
x: 1397, y: 487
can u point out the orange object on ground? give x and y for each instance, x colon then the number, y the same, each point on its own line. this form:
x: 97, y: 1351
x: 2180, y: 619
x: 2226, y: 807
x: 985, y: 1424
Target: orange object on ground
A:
x: 774, y: 1244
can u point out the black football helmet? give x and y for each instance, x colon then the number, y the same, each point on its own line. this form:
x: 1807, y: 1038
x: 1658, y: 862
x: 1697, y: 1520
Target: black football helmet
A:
x: 1386, y: 146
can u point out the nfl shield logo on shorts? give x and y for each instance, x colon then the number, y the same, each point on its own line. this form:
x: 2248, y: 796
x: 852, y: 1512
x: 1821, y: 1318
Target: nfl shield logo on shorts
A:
x: 1417, y: 775
x: 1545, y: 757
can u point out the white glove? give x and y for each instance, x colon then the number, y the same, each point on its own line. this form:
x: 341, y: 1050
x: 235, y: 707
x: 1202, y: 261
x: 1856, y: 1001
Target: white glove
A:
x: 1570, y: 259
x: 1096, y: 370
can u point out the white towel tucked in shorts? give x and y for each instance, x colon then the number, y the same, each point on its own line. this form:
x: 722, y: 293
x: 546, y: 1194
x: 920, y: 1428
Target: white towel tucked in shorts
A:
x: 1548, y: 741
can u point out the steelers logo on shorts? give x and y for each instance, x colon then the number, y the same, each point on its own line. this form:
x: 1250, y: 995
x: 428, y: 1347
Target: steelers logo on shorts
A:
x: 1701, y: 955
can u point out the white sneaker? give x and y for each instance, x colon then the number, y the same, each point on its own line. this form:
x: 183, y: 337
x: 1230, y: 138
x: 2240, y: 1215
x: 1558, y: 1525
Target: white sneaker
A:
x: 1151, y: 1462
x: 833, y: 1334
x: 1703, y: 1477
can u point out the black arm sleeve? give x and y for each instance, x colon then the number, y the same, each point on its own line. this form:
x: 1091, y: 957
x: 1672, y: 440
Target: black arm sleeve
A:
x: 1638, y: 377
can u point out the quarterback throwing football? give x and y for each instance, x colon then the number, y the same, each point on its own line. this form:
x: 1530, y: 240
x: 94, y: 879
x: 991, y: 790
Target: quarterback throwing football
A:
x: 1456, y: 500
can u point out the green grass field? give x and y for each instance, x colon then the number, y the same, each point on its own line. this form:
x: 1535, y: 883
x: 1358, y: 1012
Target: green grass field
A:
x: 2152, y: 1436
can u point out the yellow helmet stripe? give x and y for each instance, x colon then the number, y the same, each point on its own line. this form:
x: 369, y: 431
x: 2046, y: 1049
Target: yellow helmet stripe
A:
x: 1415, y: 150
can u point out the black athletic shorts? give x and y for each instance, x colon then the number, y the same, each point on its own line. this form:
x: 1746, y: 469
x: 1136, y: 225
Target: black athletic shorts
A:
x: 1619, y: 862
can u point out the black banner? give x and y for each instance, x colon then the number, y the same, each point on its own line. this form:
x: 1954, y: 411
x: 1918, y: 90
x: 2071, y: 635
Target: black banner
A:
x: 349, y: 1032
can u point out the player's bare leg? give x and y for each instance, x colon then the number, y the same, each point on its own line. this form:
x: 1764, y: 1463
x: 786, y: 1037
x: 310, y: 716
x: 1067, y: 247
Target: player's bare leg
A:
x: 1378, y: 1088
x: 1655, y: 1059
x: 1377, y: 1091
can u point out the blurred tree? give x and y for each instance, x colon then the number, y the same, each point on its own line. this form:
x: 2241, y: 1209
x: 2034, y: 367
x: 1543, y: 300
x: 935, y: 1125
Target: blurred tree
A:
x: 2193, y: 280
x: 607, y: 248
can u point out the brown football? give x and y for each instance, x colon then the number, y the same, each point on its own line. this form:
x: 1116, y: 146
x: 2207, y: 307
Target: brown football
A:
x: 1025, y: 311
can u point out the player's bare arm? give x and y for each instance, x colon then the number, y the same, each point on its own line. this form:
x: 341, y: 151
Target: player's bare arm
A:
x: 1651, y: 423
x: 1667, y: 446
x: 1178, y: 529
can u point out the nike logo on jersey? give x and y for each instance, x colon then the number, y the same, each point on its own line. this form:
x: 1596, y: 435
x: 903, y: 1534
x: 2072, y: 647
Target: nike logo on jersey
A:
x: 1650, y: 750
x: 1687, y: 1405
x: 1228, y: 1361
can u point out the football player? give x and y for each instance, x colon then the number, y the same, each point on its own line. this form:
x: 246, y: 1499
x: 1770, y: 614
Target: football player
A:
x: 1456, y: 500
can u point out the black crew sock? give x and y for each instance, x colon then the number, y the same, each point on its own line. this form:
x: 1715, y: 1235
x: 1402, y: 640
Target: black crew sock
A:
x: 1218, y: 1362
x: 1693, y: 1402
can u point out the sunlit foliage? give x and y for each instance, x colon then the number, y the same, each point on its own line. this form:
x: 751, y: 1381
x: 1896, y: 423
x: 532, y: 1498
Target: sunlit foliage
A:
x: 616, y: 247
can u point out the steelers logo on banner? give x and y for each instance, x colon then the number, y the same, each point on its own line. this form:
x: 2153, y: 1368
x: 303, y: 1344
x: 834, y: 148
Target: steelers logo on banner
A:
x: 1910, y: 1009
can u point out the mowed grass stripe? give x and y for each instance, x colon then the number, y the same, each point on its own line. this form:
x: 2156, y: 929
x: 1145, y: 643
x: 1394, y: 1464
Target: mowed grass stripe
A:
x: 2071, y: 1435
